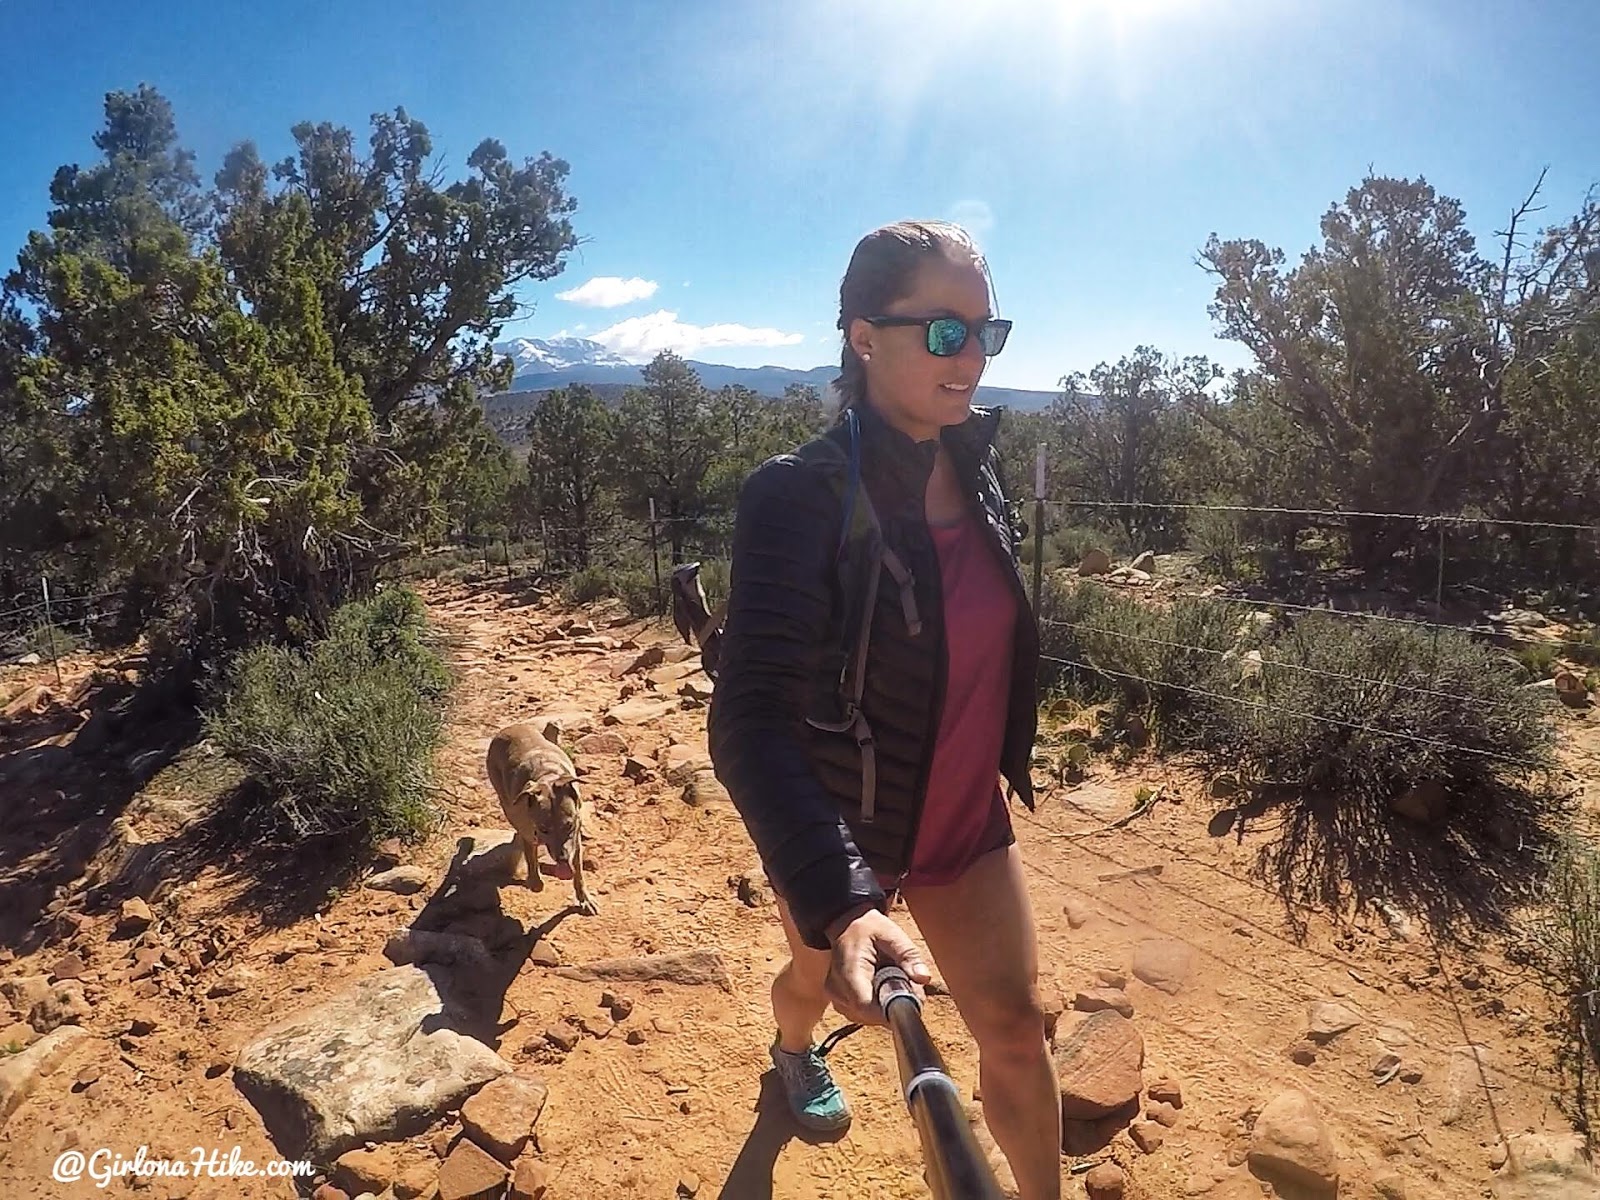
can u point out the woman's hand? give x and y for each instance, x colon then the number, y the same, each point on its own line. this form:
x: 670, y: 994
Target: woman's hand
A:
x: 867, y: 941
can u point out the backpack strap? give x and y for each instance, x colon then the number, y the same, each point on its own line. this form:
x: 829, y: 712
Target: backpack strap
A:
x: 861, y: 527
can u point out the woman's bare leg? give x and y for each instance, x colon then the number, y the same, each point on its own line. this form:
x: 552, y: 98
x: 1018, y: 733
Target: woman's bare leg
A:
x: 980, y: 932
x: 798, y: 999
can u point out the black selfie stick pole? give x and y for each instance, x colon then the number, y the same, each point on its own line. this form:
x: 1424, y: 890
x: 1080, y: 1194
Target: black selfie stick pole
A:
x: 956, y: 1167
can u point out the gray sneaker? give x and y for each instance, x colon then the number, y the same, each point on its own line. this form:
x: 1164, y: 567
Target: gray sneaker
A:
x: 815, y: 1100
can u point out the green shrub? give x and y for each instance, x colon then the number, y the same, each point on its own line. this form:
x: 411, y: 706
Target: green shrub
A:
x: 1363, y: 709
x: 51, y: 641
x: 1566, y: 944
x: 637, y: 591
x: 1156, y: 660
x: 1368, y: 709
x: 587, y: 586
x: 341, y: 736
x: 1218, y: 538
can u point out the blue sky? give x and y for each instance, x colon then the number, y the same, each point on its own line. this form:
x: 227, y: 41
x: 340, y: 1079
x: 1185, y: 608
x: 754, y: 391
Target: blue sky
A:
x: 730, y: 152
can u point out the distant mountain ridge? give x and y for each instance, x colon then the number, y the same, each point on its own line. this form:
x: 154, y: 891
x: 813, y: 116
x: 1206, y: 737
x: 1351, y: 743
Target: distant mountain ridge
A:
x: 546, y: 363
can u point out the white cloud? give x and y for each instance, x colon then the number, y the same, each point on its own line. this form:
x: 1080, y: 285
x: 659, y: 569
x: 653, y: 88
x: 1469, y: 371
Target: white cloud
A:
x: 642, y: 338
x: 609, y: 291
x: 975, y: 216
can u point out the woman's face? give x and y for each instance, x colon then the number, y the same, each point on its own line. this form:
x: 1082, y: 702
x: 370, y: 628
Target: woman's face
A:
x: 914, y: 390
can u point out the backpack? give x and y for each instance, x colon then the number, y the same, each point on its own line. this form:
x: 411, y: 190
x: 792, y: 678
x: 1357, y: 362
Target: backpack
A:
x: 860, y: 558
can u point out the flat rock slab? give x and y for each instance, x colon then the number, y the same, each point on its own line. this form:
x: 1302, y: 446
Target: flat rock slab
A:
x: 691, y: 967
x: 1291, y: 1144
x: 1099, y: 1064
x: 376, y: 1062
x: 20, y: 1073
x: 486, y: 854
x: 1328, y: 1019
x: 1165, y: 964
x: 501, y: 1116
x: 641, y: 710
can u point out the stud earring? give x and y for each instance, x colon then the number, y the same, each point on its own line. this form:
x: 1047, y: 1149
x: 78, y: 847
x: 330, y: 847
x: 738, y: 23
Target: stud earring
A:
x: 866, y: 358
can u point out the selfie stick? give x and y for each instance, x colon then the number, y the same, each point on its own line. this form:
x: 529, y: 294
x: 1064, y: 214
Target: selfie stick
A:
x: 956, y: 1167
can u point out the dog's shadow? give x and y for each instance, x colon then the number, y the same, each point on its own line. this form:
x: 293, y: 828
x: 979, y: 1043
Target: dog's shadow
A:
x: 750, y: 1178
x: 467, y: 901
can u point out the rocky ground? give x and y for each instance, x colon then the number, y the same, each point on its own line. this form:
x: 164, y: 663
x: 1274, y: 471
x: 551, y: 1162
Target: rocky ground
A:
x: 433, y: 1026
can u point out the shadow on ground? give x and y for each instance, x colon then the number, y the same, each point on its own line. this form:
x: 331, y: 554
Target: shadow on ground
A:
x: 750, y: 1177
x: 66, y: 775
x: 1463, y: 876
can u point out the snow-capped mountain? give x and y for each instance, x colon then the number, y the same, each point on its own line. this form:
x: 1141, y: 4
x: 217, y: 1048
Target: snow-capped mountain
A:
x: 543, y: 364
x: 538, y: 356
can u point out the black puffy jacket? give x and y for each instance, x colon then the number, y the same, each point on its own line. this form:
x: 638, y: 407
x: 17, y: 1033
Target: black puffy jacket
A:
x: 797, y: 787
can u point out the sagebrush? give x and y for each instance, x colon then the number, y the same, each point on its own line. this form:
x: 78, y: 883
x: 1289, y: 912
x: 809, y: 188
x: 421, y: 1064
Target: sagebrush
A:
x: 340, y: 736
x: 1361, y: 709
x: 1566, y: 943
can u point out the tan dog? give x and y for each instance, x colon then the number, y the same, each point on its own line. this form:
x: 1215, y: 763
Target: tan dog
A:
x: 538, y: 791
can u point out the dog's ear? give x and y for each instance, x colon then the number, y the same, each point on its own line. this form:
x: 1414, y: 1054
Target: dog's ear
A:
x: 569, y: 784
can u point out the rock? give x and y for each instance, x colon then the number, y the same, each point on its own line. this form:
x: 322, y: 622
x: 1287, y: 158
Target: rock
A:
x: 1147, y: 1136
x: 1105, y: 1182
x: 1385, y: 1067
x: 68, y: 966
x: 563, y: 1037
x: 1464, y: 1082
x: 416, y: 1180
x: 688, y: 1185
x: 1111, y: 978
x: 471, y: 1173
x: 1328, y: 1019
x: 1225, y: 786
x: 407, y: 946
x: 375, y: 1062
x: 1162, y: 1114
x: 621, y: 1008
x: 667, y: 1025
x: 1303, y: 1053
x: 649, y: 658
x: 1077, y: 912
x: 1550, y: 1153
x: 1099, y: 999
x: 1499, y: 1156
x: 403, y: 881
x: 501, y: 1116
x: 1145, y: 562
x: 641, y: 710
x: 705, y: 789
x: 1095, y: 562
x: 23, y: 992
x: 388, y: 853
x: 1389, y: 1186
x: 20, y: 1073
x: 596, y: 1025
x: 749, y: 890
x: 364, y: 1170
x: 34, y: 700
x: 487, y: 854
x: 602, y: 743
x: 1164, y: 964
x: 326, y: 1191
x: 1099, y: 1065
x: 231, y: 983
x: 544, y: 954
x: 681, y: 763
x: 18, y: 1035
x: 530, y: 1181
x: 134, y: 917
x: 636, y: 1037
x: 1426, y: 804
x: 1053, y: 1005
x: 1290, y: 1143
x: 64, y: 1005
x: 689, y: 967
x: 1166, y: 1091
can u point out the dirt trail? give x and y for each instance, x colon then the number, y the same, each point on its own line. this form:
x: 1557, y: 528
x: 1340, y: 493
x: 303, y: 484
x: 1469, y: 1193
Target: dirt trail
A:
x: 685, y: 1104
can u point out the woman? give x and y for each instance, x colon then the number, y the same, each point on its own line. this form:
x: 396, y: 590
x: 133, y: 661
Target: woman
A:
x: 950, y: 696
